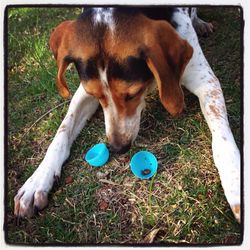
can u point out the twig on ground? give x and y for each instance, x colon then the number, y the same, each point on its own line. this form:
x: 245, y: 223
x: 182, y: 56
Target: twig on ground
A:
x: 109, y: 182
x: 41, y: 117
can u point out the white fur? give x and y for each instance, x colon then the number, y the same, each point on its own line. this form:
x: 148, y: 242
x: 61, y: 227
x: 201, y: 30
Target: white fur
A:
x: 199, y: 78
x: 103, y: 76
x: 80, y: 110
x: 104, y: 16
x: 126, y: 128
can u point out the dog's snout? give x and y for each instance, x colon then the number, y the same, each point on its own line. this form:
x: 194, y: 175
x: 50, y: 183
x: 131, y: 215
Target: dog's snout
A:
x: 121, y: 149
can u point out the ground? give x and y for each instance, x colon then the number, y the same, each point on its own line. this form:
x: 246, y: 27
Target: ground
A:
x: 183, y: 203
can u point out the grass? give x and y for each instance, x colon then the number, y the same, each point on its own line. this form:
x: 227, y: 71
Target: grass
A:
x: 185, y: 200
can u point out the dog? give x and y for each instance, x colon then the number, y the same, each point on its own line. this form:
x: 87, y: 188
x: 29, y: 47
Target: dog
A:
x: 120, y: 55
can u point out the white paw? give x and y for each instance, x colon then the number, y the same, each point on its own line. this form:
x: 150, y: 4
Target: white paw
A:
x: 236, y: 211
x: 227, y: 160
x: 33, y: 195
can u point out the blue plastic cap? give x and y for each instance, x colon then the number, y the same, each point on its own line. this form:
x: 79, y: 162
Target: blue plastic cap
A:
x: 144, y: 165
x: 98, y: 155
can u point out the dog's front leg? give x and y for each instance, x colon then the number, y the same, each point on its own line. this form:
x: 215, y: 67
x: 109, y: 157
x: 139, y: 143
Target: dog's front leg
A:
x: 33, y: 195
x: 226, y: 154
x: 199, y: 78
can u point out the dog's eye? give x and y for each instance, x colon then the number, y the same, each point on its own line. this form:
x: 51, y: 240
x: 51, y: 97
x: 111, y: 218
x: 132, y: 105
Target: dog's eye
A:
x: 129, y: 97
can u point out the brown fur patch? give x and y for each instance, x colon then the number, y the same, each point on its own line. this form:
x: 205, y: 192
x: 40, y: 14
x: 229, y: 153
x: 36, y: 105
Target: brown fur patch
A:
x: 65, y: 42
x: 95, y: 88
x: 167, y: 60
x: 215, y: 111
x: 215, y: 93
x: 165, y: 53
x: 120, y: 90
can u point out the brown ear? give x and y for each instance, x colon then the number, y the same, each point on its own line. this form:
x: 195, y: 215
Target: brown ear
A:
x: 168, y: 56
x: 60, y: 40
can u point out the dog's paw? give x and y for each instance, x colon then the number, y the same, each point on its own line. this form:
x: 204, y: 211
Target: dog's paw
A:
x: 33, y: 195
x: 227, y: 160
x: 202, y: 28
x: 236, y: 212
x: 28, y: 202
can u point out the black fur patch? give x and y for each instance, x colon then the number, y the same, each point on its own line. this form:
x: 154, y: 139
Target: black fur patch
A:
x: 132, y: 69
x: 86, y: 70
x: 155, y: 13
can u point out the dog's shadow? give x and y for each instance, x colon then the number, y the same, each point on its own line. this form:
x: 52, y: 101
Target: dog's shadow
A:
x: 165, y: 135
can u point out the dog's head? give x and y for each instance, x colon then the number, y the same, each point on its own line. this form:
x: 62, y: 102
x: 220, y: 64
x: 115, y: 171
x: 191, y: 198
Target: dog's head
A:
x: 118, y: 62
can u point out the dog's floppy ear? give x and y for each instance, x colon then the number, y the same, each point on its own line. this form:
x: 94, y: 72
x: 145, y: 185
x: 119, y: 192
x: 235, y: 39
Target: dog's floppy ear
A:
x: 60, y: 42
x: 167, y: 58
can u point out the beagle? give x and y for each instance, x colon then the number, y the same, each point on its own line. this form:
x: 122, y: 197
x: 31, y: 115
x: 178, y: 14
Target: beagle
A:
x: 120, y: 54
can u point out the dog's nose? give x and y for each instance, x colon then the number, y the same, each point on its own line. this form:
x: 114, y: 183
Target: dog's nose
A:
x: 121, y: 149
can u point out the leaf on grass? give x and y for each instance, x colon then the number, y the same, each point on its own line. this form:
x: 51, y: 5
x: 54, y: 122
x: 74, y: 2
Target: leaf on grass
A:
x: 109, y: 182
x: 125, y: 159
x: 209, y: 194
x: 151, y: 236
x: 69, y: 179
x: 103, y: 205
